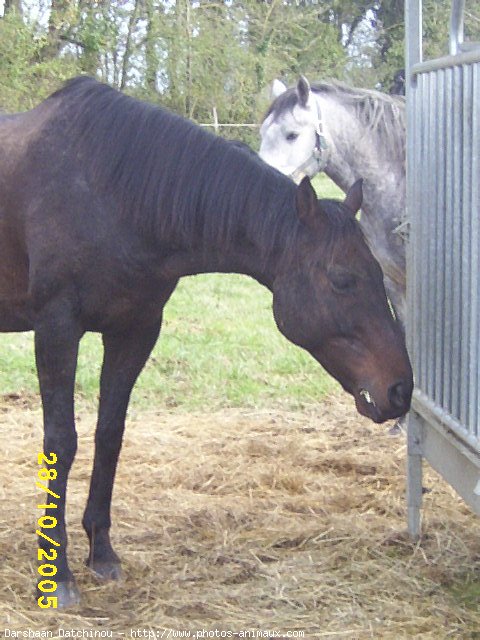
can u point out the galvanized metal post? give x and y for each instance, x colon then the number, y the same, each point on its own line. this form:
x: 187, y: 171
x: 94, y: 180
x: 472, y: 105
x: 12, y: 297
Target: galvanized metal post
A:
x: 456, y: 26
x: 413, y: 55
x: 414, y: 475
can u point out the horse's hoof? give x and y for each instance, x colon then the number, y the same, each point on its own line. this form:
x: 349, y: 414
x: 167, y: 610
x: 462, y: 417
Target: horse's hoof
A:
x: 66, y: 593
x: 106, y: 570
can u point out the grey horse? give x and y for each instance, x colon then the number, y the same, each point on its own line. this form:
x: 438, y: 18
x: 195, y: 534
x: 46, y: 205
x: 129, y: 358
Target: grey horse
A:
x: 348, y: 133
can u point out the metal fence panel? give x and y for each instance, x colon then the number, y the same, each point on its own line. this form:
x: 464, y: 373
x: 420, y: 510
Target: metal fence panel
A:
x: 443, y: 261
x: 445, y: 236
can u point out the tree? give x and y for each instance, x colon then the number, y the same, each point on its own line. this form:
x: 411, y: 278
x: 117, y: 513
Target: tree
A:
x: 10, y: 6
x: 196, y: 55
x: 59, y: 25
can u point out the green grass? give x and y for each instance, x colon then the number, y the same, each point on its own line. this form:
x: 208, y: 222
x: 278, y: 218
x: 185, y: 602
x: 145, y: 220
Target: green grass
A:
x: 325, y: 188
x: 467, y: 593
x: 219, y: 347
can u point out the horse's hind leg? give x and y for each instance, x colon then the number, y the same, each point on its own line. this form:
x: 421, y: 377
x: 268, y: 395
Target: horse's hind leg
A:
x: 124, y: 357
x: 57, y: 335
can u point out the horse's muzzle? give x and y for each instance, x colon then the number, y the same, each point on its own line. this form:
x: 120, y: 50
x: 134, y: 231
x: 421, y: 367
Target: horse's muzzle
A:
x: 396, y: 403
x: 400, y: 395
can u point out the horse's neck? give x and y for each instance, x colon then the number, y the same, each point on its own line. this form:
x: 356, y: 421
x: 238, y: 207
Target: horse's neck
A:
x: 192, y: 262
x: 250, y: 227
x: 356, y: 153
x: 244, y: 255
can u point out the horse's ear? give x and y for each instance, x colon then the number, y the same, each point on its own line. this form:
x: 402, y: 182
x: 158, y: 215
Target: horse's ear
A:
x: 306, y: 201
x: 303, y: 91
x: 354, y: 197
x: 277, y: 88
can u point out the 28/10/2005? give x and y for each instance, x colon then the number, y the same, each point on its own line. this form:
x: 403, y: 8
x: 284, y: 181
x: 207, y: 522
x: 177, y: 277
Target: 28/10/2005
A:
x: 47, y: 570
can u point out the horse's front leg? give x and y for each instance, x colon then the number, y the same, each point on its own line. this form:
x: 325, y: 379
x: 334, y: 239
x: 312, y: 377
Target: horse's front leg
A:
x: 57, y: 335
x: 124, y: 357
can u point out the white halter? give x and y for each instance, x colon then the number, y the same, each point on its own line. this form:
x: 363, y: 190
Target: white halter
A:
x: 318, y: 159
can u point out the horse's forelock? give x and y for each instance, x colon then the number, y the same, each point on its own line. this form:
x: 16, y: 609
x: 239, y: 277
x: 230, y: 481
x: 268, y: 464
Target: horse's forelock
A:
x: 283, y: 103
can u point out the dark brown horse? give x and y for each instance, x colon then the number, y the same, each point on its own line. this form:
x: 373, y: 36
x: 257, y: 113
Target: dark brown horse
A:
x: 105, y: 202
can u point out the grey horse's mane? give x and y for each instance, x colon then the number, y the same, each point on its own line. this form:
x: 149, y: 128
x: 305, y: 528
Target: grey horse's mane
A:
x: 380, y: 113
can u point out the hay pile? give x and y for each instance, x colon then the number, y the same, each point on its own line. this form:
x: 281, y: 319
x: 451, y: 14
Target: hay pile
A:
x: 237, y: 521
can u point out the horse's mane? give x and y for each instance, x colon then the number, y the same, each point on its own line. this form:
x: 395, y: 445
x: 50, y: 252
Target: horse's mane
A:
x: 175, y: 181
x: 381, y: 114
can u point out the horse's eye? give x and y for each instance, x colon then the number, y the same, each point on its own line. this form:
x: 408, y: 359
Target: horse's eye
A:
x: 342, y: 281
x: 292, y: 136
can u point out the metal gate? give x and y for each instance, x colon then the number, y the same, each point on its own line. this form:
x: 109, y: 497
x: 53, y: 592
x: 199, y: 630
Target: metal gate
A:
x: 443, y: 261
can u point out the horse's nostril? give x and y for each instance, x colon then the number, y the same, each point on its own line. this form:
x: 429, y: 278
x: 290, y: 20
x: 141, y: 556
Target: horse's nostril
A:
x: 399, y: 395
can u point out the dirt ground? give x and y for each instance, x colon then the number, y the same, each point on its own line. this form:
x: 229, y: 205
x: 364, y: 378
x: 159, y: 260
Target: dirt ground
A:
x: 246, y: 524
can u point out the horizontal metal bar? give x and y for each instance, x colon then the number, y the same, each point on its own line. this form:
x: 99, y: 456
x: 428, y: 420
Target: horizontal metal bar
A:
x: 434, y: 414
x: 469, y: 46
x: 453, y: 461
x: 468, y: 57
